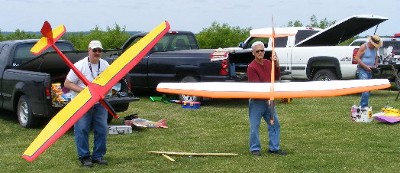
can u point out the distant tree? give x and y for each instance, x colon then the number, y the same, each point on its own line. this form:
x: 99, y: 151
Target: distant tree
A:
x: 1, y: 36
x: 19, y: 35
x: 218, y: 35
x: 78, y: 39
x: 115, y: 37
x: 324, y: 23
x: 111, y: 38
x: 296, y: 23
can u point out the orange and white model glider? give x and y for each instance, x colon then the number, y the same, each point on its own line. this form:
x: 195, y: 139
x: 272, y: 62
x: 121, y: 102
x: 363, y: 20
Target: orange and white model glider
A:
x: 281, y: 90
x: 94, y: 92
x: 273, y: 90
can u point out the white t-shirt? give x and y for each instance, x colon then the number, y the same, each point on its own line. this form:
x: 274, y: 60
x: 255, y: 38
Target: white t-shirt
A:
x: 89, y: 70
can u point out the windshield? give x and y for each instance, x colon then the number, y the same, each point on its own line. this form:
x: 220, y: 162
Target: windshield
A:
x: 171, y: 42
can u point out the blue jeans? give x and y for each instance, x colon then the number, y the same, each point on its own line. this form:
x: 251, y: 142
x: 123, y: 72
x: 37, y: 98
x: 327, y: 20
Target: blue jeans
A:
x: 96, y: 117
x: 259, y: 109
x: 363, y: 74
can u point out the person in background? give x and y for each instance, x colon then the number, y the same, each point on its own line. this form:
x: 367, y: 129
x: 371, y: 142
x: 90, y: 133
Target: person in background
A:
x: 96, y: 118
x: 259, y: 70
x: 367, y: 60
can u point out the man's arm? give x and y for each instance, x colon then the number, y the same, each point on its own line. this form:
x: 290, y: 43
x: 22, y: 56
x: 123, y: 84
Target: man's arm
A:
x: 72, y: 86
x: 376, y: 59
x: 361, y: 52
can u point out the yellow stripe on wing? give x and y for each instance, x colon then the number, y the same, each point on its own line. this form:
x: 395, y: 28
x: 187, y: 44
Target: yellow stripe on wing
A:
x: 58, y: 121
x: 43, y: 43
x: 58, y: 32
x: 128, y: 55
x: 39, y: 46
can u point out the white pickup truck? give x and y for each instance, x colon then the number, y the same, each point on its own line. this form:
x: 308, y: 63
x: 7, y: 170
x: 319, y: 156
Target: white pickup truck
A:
x: 309, y: 53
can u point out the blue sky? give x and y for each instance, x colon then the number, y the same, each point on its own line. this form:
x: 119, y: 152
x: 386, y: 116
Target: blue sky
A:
x: 192, y: 15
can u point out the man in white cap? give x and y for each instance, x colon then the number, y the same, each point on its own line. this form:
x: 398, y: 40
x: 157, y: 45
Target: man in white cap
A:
x: 96, y: 118
x: 367, y: 59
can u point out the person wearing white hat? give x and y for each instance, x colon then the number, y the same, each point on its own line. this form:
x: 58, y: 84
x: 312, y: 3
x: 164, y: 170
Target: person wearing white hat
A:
x: 96, y: 118
x: 367, y: 60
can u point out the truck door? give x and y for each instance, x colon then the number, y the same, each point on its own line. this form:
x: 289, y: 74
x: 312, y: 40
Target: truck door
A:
x: 282, y: 51
x: 138, y: 74
x: 3, y: 64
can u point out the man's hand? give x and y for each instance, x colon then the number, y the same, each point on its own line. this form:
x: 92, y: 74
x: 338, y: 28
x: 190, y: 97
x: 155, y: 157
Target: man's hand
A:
x: 275, y: 59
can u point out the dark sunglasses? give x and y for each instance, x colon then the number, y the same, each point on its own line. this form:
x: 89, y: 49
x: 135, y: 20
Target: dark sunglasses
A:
x: 258, y: 51
x: 96, y: 50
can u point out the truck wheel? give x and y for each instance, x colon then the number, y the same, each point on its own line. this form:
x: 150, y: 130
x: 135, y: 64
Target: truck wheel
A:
x: 324, y: 75
x: 120, y: 107
x: 189, y: 98
x: 24, y: 113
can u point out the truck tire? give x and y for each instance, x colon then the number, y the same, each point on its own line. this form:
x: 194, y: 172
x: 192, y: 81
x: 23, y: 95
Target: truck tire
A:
x: 24, y: 113
x: 324, y: 75
x: 120, y: 107
x: 189, y: 98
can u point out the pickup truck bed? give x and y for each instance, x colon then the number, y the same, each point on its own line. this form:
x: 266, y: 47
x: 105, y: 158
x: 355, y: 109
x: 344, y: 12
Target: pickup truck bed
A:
x: 28, y: 82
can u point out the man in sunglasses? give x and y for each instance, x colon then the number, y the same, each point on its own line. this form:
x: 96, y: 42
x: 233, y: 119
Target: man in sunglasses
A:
x: 259, y: 70
x: 96, y: 118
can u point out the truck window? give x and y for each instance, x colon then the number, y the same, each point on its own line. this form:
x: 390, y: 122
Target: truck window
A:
x: 281, y: 41
x: 303, y: 34
x: 3, y: 58
x: 179, y: 42
x: 23, y: 52
x: 357, y: 43
x: 171, y: 41
x: 254, y: 39
x: 394, y: 44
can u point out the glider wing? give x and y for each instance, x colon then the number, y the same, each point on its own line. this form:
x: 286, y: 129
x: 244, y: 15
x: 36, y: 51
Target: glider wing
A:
x: 50, y: 37
x: 268, y: 32
x: 281, y: 90
x: 94, y: 92
x: 192, y: 154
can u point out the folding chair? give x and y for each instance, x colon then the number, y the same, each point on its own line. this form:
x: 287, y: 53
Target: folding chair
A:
x: 396, y: 80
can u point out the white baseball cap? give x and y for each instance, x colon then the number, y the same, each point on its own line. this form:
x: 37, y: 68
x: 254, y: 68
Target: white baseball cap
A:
x: 95, y: 44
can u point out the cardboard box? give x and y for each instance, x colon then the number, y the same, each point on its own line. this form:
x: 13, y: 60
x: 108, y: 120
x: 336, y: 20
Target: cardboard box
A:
x: 119, y: 129
x: 359, y: 114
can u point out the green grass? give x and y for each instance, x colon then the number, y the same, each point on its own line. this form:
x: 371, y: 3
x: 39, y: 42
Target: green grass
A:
x: 316, y: 132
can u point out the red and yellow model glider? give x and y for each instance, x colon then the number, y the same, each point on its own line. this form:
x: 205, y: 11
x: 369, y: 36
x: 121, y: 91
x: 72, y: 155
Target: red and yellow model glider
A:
x: 95, y: 90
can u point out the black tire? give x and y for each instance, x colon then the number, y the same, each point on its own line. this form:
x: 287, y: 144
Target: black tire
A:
x: 24, y: 113
x: 189, y: 98
x: 324, y: 75
x: 120, y: 107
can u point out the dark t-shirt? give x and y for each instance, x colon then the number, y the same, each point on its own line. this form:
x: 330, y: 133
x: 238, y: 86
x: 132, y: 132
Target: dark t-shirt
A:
x: 261, y: 73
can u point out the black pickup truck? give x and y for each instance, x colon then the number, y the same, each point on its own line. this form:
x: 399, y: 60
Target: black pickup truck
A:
x: 175, y: 58
x: 27, y: 82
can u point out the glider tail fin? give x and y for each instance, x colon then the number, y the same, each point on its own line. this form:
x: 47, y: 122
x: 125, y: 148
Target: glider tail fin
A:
x: 50, y: 36
x: 47, y: 31
x: 162, y: 123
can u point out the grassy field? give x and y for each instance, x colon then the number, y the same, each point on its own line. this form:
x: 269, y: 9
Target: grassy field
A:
x: 316, y: 132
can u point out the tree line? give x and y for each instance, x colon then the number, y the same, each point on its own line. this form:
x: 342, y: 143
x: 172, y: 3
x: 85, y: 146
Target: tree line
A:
x: 215, y: 36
